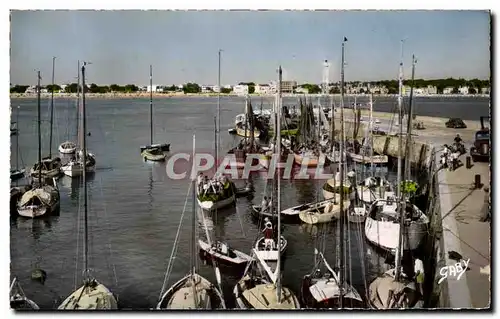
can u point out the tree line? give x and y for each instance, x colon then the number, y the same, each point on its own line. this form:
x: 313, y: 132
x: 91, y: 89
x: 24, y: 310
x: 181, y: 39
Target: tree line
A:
x: 475, y: 86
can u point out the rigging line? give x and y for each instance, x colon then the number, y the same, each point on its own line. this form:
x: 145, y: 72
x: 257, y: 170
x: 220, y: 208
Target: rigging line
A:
x: 174, y: 248
x: 78, y: 226
x: 107, y: 224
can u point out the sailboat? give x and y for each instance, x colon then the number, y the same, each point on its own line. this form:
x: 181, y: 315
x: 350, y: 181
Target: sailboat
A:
x: 49, y: 167
x: 92, y: 295
x: 153, y: 152
x: 75, y: 167
x: 18, y: 299
x: 395, y: 289
x: 366, y: 156
x: 387, y: 216
x: 219, y: 191
x: 42, y: 199
x: 265, y: 292
x: 69, y: 147
x: 17, y: 172
x: 329, y: 289
x: 193, y: 291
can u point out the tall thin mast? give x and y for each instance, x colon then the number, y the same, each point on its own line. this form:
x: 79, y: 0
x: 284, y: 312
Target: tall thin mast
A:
x: 52, y: 106
x: 371, y: 134
x: 410, y: 119
x: 151, y: 104
x: 400, y: 162
x: 341, y: 219
x: 278, y: 196
x: 17, y: 137
x: 84, y: 168
x: 193, y: 225
x: 217, y: 129
x: 39, y: 132
x: 78, y: 106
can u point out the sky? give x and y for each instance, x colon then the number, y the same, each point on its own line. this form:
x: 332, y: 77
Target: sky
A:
x: 183, y: 46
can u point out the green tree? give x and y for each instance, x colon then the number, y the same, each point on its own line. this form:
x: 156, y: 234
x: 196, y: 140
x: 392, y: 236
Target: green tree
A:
x: 191, y: 88
x: 115, y: 88
x: 335, y: 90
x: 54, y: 88
x: 472, y: 90
x: 19, y: 89
x: 225, y: 90
x: 251, y: 89
x: 129, y: 88
x: 455, y: 90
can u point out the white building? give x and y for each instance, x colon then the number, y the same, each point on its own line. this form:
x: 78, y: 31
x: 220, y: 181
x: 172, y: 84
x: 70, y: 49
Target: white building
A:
x: 240, y: 89
x: 63, y: 88
x: 463, y: 90
x: 206, y: 89
x: 263, y: 89
x: 156, y: 88
x: 448, y: 90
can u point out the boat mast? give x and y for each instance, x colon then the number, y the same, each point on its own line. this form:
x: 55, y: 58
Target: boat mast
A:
x: 341, y: 219
x: 399, y: 177
x: 371, y: 135
x: 409, y: 126
x: 78, y: 106
x: 17, y: 138
x: 151, y: 103
x: 52, y: 106
x: 193, y: 233
x: 39, y: 133
x: 278, y: 195
x: 84, y: 174
x: 217, y: 129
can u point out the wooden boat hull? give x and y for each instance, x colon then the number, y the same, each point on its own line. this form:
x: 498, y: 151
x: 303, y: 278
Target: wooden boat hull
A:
x: 379, y: 288
x: 241, y: 132
x: 152, y: 157
x: 17, y: 174
x: 165, y: 147
x: 233, y: 257
x: 385, y: 234
x: 376, y: 159
x: 52, y: 170
x: 256, y: 293
x: 67, y: 148
x: 312, y: 161
x: 18, y: 300
x: 39, y: 202
x: 75, y: 169
x: 94, y: 296
x: 218, y: 205
x: 180, y: 295
x: 327, y: 294
x: 324, y: 213
x: 257, y: 214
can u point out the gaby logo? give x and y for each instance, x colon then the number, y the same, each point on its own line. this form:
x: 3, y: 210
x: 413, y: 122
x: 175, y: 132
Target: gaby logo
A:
x: 456, y: 270
x: 184, y: 165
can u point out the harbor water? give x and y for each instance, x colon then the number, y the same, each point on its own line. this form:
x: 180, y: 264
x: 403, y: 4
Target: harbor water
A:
x: 135, y: 209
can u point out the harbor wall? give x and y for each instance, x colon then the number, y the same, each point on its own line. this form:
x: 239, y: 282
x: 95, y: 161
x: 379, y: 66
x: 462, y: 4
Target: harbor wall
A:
x: 420, y: 152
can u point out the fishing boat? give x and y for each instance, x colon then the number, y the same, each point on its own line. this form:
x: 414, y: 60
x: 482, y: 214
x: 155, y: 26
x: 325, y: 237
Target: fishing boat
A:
x: 42, y: 199
x: 217, y: 192
x: 394, y: 289
x: 17, y: 172
x: 242, y: 131
x: 153, y: 152
x: 92, y: 295
x: 18, y: 299
x: 322, y: 212
x: 76, y: 165
x: 382, y: 224
x: 67, y: 148
x: 47, y: 168
x: 223, y: 253
x: 246, y: 145
x: 192, y: 291
x: 265, y: 291
x: 321, y: 289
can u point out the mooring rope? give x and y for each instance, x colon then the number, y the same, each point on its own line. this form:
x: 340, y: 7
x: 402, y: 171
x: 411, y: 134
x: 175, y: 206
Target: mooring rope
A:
x: 175, y: 246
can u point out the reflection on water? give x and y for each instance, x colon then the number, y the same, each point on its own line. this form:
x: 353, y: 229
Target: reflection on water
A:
x: 36, y: 227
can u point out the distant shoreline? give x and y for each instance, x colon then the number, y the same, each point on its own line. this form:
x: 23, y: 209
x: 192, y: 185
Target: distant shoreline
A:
x: 182, y: 95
